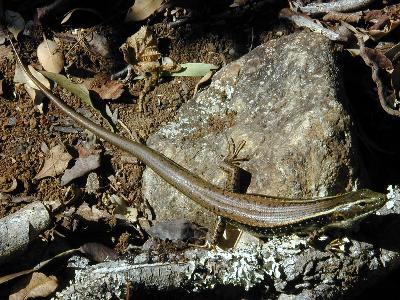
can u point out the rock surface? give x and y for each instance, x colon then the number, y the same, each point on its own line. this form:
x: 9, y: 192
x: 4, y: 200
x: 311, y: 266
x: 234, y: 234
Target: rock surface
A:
x: 285, y: 100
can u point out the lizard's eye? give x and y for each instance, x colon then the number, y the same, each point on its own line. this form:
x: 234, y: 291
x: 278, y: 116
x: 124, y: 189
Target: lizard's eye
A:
x: 339, y: 217
x: 362, y: 203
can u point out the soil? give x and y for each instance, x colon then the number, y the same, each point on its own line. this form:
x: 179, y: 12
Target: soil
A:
x: 25, y: 130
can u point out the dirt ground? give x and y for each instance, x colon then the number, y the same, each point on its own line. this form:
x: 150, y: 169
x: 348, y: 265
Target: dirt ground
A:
x: 217, y: 38
x: 25, y: 130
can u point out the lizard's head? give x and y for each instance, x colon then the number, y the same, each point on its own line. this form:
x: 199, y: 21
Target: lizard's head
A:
x: 357, y: 206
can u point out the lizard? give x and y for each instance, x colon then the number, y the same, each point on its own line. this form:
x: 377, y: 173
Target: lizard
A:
x: 261, y: 215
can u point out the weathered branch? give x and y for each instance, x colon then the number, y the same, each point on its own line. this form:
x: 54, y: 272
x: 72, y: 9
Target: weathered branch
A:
x: 284, y: 265
x: 17, y: 230
x: 335, y: 6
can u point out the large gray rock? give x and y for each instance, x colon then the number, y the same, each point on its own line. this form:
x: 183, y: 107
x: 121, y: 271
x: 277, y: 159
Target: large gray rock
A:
x: 285, y: 100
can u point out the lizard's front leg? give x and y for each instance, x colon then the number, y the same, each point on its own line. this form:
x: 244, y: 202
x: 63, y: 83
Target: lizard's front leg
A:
x: 237, y: 181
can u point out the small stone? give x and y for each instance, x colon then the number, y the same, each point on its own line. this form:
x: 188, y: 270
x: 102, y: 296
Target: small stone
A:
x: 92, y: 183
x: 32, y: 123
x: 11, y: 122
x: 21, y: 149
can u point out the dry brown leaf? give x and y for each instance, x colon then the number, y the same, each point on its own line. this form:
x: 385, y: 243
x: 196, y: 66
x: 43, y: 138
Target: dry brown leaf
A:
x: 378, y: 34
x: 92, y: 214
x: 35, y: 286
x: 381, y: 60
x: 382, y: 21
x: 97, y: 44
x: 88, y: 160
x: 202, y: 81
x: 142, y: 9
x: 141, y: 47
x: 98, y: 252
x: 55, y: 163
x: 141, y: 51
x: 238, y: 3
x: 111, y: 90
x: 107, y: 90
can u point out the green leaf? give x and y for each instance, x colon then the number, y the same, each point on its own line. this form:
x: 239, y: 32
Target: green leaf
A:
x: 193, y: 69
x: 80, y: 91
x: 188, y: 69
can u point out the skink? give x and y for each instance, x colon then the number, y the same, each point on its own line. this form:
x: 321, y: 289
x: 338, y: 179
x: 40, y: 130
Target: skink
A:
x: 260, y: 214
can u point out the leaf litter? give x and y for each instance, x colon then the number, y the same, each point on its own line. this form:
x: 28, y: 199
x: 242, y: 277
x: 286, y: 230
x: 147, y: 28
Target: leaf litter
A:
x: 168, y: 93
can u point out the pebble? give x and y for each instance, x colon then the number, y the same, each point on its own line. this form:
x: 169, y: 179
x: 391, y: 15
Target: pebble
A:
x: 11, y: 122
x: 32, y: 123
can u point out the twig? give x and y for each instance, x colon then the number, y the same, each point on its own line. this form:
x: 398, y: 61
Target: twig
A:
x: 345, y: 17
x: 337, y: 6
x: 376, y: 78
x: 133, y: 135
x: 304, y: 21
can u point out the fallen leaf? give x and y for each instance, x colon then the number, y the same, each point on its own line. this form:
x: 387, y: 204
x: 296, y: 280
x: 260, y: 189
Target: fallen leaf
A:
x: 83, y: 165
x: 122, y: 210
x: 382, y: 21
x: 188, y: 69
x: 15, y: 22
x: 78, y: 90
x: 142, y: 9
x: 36, y: 95
x: 56, y: 162
x: 107, y: 90
x: 176, y: 230
x: 40, y: 265
x: 382, y: 61
x: 202, y: 81
x: 98, y: 44
x: 98, y: 252
x: 50, y: 57
x: 141, y: 51
x: 68, y: 15
x: 91, y: 214
x: 238, y: 3
x: 35, y: 286
x: 354, y: 17
x: 21, y: 77
x: 194, y: 69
